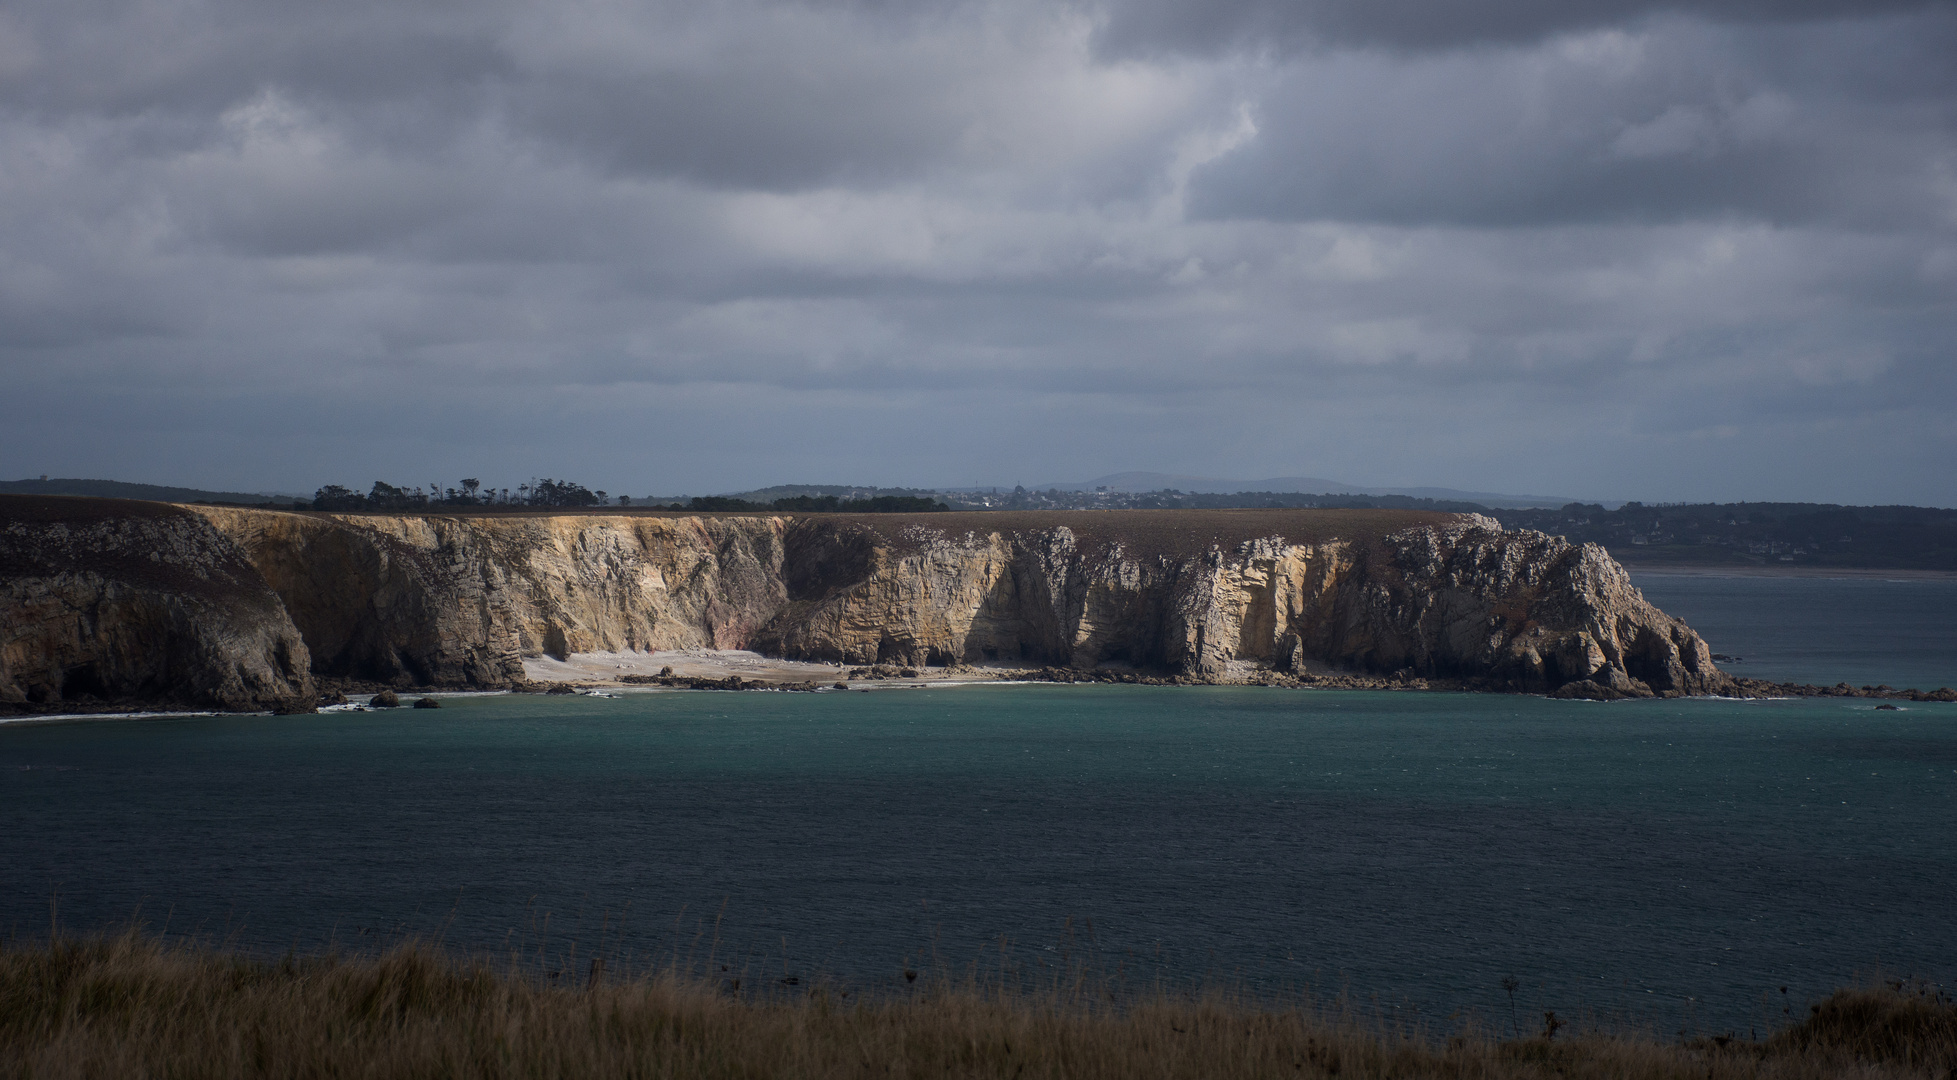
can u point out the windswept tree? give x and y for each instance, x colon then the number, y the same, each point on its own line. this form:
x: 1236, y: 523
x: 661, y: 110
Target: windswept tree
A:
x: 548, y: 492
x: 335, y: 497
x: 386, y: 496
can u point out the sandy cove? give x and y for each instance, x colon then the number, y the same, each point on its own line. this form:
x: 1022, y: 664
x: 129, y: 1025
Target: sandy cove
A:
x: 619, y: 670
x: 623, y: 669
x: 696, y: 669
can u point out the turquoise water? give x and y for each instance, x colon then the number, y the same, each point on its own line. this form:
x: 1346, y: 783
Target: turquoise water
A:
x: 1671, y: 862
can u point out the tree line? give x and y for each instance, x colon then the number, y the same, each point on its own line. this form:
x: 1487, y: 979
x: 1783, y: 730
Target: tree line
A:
x: 386, y: 496
x: 564, y: 493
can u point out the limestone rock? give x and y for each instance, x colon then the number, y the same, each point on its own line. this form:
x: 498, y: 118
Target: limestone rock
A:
x: 1462, y: 599
x: 459, y: 601
x: 1301, y: 597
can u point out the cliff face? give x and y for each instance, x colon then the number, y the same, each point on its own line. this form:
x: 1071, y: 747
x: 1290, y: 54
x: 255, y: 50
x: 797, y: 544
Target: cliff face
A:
x: 106, y: 602
x: 459, y: 600
x: 229, y: 608
x: 1459, y: 598
x: 1522, y: 609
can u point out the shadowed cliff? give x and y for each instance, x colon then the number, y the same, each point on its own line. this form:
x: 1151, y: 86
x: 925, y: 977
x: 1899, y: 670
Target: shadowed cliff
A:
x: 107, y: 602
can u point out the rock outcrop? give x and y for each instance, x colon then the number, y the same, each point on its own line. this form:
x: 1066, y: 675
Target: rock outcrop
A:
x: 232, y: 608
x: 107, y: 602
x: 459, y: 600
x: 1458, y: 598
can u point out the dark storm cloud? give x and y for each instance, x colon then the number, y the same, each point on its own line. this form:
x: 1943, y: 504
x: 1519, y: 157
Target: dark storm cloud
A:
x: 1648, y: 251
x: 1815, y: 123
x: 771, y: 95
x: 111, y: 58
x: 1258, y: 25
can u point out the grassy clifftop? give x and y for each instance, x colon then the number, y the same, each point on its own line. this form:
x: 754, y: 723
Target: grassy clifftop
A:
x: 1164, y: 532
x: 1145, y: 532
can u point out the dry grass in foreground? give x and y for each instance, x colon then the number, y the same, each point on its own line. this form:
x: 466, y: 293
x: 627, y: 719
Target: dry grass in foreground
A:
x: 129, y: 1006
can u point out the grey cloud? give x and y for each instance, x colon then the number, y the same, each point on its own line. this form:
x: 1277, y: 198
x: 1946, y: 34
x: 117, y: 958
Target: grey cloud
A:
x: 777, y: 96
x: 1144, y: 26
x: 104, y: 57
x: 712, y: 246
x: 1678, y: 122
x: 773, y: 132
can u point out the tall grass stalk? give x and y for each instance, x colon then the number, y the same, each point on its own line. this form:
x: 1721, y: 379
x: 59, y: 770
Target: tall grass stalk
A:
x: 133, y: 1005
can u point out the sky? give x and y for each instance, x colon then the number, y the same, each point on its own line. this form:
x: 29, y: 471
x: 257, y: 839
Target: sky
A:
x: 1614, y: 249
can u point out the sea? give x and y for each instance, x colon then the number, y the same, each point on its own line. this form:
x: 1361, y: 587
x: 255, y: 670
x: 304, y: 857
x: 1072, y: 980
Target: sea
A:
x: 1435, y: 860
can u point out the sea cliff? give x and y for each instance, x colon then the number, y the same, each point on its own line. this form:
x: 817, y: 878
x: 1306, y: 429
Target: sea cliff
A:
x: 107, y: 602
x: 1206, y: 596
x: 459, y: 600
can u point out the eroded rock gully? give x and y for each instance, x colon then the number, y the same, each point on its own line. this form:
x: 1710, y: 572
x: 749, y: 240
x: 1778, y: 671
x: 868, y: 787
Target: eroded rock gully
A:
x: 459, y: 600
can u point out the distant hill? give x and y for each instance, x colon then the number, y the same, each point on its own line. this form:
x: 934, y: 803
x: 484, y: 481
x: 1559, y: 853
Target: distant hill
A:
x: 116, y: 489
x: 1137, y: 482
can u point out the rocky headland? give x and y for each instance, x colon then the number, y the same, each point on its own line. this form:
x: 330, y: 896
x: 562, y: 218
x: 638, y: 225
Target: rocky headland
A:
x: 110, y: 602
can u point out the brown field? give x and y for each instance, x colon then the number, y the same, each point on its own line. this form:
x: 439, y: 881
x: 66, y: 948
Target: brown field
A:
x: 129, y: 1006
x: 80, y: 509
x: 1140, y: 530
x: 1160, y: 532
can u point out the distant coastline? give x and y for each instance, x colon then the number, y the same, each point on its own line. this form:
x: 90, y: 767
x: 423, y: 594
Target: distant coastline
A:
x: 1637, y: 569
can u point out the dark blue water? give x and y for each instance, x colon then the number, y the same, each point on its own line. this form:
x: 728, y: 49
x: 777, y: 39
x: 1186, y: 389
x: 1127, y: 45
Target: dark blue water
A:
x: 1861, y: 631
x: 1673, y: 862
